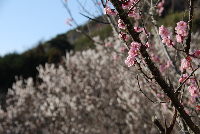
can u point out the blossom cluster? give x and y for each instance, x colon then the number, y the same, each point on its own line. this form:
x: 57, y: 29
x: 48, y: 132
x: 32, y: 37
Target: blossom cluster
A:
x: 164, y: 33
x: 185, y: 63
x: 133, y: 14
x: 181, y: 31
x: 160, y: 7
x: 195, y: 54
x: 121, y: 24
x: 109, y: 11
x: 133, y: 52
x: 192, y: 86
x: 68, y: 22
x: 194, y: 91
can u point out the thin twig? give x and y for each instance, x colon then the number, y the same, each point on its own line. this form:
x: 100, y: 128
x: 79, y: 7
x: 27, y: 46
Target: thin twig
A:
x: 140, y: 68
x: 78, y: 30
x: 133, y: 6
x: 84, y: 10
x: 146, y: 95
x: 179, y: 88
x: 95, y: 19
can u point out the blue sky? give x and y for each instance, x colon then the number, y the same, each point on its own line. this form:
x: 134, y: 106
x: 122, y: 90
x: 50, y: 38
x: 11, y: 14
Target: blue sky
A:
x: 23, y: 23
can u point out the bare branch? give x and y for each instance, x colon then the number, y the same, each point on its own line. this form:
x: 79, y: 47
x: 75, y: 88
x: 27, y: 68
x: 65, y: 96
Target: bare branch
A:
x: 78, y: 30
x: 95, y: 19
x: 146, y: 95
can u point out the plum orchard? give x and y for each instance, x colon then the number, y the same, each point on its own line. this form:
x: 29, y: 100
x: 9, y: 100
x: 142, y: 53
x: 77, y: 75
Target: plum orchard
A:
x: 116, y: 88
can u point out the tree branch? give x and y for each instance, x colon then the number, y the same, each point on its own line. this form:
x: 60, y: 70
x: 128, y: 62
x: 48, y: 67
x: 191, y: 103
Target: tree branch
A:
x: 151, y: 12
x: 154, y: 70
x: 159, y: 125
x: 95, y: 19
x: 188, y: 41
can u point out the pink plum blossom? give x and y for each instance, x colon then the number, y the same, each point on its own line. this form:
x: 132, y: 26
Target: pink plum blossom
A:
x: 109, y: 11
x: 194, y: 91
x: 179, y: 38
x: 127, y: 4
x: 197, y: 53
x: 197, y: 108
x: 115, y: 57
x: 163, y: 32
x: 133, y: 51
x: 68, y: 22
x: 183, y: 78
x: 106, y: 44
x: 130, y: 61
x: 182, y: 25
x: 148, y: 45
x: 181, y: 31
x: 160, y: 7
x: 121, y: 25
x: 137, y: 29
x: 185, y: 64
x: 124, y: 36
x: 136, y: 45
x: 166, y: 40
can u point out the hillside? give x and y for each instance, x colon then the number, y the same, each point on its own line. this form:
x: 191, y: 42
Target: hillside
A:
x: 24, y: 65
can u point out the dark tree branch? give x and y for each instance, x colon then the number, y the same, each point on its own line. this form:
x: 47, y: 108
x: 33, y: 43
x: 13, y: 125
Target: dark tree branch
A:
x: 159, y: 125
x: 188, y: 41
x: 169, y: 129
x: 154, y: 70
x: 115, y: 29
